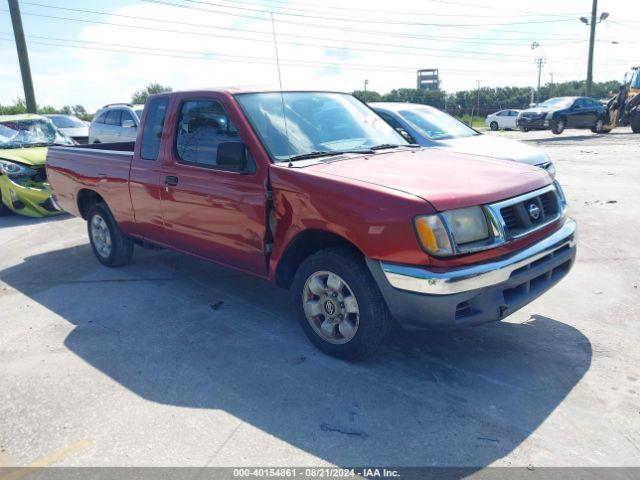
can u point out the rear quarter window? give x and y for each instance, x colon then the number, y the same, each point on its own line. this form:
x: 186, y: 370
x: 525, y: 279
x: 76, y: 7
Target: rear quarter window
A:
x: 153, y: 127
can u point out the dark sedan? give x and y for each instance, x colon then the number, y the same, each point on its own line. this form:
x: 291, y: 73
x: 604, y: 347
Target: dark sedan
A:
x: 564, y: 112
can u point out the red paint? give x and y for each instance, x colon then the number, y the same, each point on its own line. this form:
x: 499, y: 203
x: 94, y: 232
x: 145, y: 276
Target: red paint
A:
x: 222, y: 216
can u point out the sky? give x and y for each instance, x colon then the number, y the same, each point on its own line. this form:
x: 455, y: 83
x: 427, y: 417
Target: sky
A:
x: 97, y: 52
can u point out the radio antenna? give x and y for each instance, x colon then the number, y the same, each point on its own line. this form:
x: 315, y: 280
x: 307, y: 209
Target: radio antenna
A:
x: 275, y: 45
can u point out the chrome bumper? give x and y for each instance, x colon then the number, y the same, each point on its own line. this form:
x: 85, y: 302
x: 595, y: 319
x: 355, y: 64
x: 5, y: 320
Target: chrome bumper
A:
x: 421, y: 280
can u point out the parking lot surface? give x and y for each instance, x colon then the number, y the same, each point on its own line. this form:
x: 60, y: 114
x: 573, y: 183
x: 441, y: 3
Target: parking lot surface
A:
x: 173, y: 361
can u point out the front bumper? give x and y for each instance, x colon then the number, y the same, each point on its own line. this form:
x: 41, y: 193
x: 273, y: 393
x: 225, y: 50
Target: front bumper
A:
x: 32, y: 199
x: 421, y: 298
x: 533, y: 123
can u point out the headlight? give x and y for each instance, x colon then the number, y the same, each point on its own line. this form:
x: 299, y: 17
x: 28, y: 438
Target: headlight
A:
x: 460, y: 227
x: 15, y: 169
x: 563, y: 199
x: 467, y: 224
x: 549, y: 115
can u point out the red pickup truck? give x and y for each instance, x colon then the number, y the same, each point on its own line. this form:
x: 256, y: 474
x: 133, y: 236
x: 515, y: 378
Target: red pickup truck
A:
x: 315, y: 192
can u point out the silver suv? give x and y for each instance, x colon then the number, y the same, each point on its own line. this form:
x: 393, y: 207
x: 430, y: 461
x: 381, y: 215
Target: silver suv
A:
x: 116, y: 122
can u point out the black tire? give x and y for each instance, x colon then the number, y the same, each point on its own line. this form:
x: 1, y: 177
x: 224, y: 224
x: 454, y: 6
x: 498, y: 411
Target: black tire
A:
x: 635, y: 122
x: 374, y: 318
x: 4, y: 210
x: 599, y: 127
x: 524, y: 129
x: 558, y: 127
x: 494, y: 126
x: 121, y: 250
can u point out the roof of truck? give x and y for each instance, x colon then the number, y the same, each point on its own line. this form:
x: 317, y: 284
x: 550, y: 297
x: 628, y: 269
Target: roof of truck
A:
x: 240, y: 90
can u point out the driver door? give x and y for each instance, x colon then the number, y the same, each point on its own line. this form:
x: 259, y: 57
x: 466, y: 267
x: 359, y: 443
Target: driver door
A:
x: 212, y: 207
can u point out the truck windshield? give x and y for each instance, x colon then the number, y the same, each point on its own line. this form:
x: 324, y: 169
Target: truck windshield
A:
x: 315, y: 122
x: 32, y: 132
x: 437, y: 125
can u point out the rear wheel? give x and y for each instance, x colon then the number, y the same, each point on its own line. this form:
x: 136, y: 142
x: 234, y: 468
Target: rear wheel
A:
x: 338, y: 304
x: 109, y: 245
x: 524, y: 129
x: 494, y: 126
x: 558, y: 127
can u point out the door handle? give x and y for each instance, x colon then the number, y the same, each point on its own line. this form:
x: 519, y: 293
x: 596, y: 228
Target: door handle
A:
x: 170, y: 181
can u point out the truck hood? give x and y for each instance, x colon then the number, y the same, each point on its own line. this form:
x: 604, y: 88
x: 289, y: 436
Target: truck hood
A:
x: 495, y: 147
x: 34, y: 157
x: 446, y: 180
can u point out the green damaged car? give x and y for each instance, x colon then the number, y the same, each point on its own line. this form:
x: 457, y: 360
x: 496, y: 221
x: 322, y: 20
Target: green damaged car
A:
x: 23, y: 150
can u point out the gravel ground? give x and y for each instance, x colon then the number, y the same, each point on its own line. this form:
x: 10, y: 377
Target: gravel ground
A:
x: 172, y: 361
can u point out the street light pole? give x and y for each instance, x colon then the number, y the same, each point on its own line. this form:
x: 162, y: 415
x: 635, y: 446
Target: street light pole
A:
x: 592, y: 39
x: 540, y: 62
x: 23, y: 56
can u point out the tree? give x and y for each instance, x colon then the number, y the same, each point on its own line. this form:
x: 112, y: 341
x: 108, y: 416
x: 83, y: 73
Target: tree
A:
x: 141, y: 96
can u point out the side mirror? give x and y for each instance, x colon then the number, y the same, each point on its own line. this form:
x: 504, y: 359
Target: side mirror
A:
x: 234, y: 156
x: 128, y: 124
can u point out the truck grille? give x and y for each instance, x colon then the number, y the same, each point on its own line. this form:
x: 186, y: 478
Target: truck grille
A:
x: 522, y: 215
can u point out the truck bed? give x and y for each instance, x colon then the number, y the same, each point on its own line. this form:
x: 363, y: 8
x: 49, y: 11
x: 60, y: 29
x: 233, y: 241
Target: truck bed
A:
x: 102, y: 168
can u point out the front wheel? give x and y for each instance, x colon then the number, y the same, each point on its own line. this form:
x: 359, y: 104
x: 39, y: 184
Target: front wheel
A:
x: 109, y: 245
x: 559, y: 127
x: 338, y: 304
x: 494, y: 126
x: 524, y: 129
x: 599, y: 127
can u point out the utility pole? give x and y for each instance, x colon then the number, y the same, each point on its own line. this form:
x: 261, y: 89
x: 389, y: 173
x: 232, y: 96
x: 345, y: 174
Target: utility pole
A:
x: 540, y: 63
x: 23, y: 56
x: 592, y: 40
x: 366, y: 82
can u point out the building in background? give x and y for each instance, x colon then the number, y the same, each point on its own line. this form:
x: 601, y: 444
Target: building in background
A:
x: 428, y: 79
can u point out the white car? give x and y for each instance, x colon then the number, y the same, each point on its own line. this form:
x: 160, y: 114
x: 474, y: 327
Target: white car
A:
x: 429, y: 127
x: 116, y: 122
x: 71, y: 126
x: 502, y: 120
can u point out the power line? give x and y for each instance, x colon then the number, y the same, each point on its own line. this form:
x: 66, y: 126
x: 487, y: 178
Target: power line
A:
x: 400, y: 12
x: 507, y: 40
x: 339, y: 47
x: 335, y: 27
x: 359, y: 20
x: 243, y: 59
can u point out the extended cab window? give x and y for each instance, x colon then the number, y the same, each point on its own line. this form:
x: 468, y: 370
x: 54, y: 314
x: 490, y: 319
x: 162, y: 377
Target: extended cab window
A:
x: 152, y: 132
x: 203, y: 125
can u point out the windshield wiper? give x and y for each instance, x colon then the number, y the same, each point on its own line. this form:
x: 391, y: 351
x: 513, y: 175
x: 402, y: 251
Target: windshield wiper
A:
x: 325, y: 153
x: 386, y: 146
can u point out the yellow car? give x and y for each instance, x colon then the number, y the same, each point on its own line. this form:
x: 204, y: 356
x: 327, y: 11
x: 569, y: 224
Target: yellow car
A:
x: 23, y: 149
